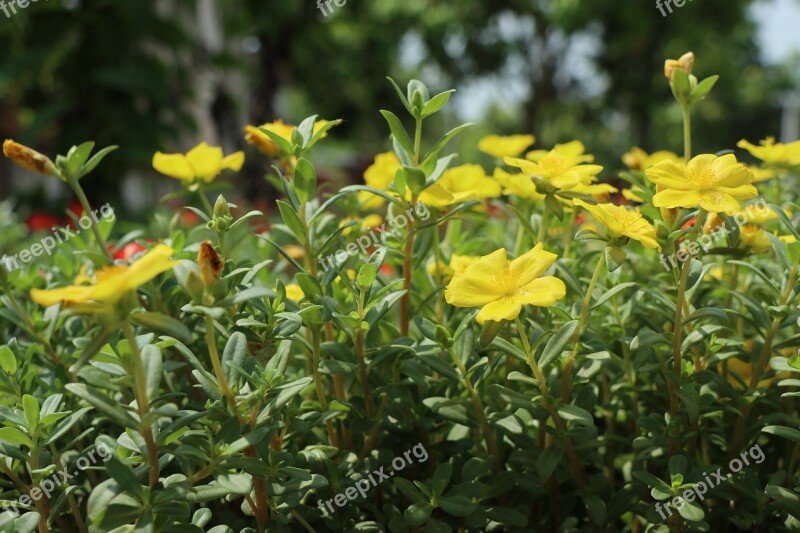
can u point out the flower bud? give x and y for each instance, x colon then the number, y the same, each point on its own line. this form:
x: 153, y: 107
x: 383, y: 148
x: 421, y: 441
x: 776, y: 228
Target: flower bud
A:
x: 28, y: 158
x: 685, y: 62
x: 221, y: 208
x: 210, y: 263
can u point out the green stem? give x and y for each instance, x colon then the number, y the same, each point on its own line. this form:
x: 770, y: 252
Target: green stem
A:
x: 143, y: 404
x: 577, y: 471
x: 204, y: 200
x: 569, y: 232
x: 417, y: 142
x: 318, y: 385
x: 585, y: 304
x: 87, y: 211
x: 677, y: 337
x: 437, y: 276
x: 213, y: 353
x: 480, y: 411
x: 542, y: 225
x: 362, y: 362
x: 687, y: 134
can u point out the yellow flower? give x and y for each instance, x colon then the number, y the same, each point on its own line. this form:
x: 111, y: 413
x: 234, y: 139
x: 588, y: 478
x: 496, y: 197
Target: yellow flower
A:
x: 774, y: 153
x: 601, y: 191
x: 379, y: 175
x: 560, y: 168
x: 517, y: 185
x: 294, y: 292
x: 755, y: 239
x: 210, y: 263
x: 458, y: 185
x: 505, y: 146
x: 501, y: 287
x: 710, y: 182
x: 265, y: 144
x: 761, y: 174
x: 458, y: 264
x: 111, y: 283
x: 633, y: 194
x: 203, y: 163
x: 757, y: 214
x: 685, y: 62
x: 28, y: 158
x: 571, y: 150
x: 788, y: 239
x: 364, y: 224
x: 622, y: 222
x: 295, y: 251
x: 638, y: 159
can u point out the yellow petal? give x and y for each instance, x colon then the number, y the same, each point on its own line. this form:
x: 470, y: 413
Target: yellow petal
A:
x: 234, y: 162
x: 174, y: 166
x: 532, y: 264
x: 475, y: 286
x: 718, y: 202
x: 673, y: 198
x: 206, y: 161
x: 542, y: 292
x: 502, y: 309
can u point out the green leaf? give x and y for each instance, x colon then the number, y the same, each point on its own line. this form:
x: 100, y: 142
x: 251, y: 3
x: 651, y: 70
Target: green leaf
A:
x: 235, y: 353
x: 161, y: 323
x: 8, y: 361
x: 575, y: 413
x: 548, y: 460
x: 786, y: 222
x: 305, y: 180
x: 15, y: 436
x: 95, y: 160
x: 490, y: 331
x: 153, y: 364
x: 703, y: 88
x: 457, y: 505
x: 292, y: 220
x: 403, y: 98
x: 785, y: 432
x: 436, y: 103
x: 124, y: 476
x: 77, y: 156
x: 398, y: 131
x: 417, y: 513
x: 691, y: 511
x: 102, y: 403
x: 555, y: 345
x: 284, y: 145
x: 30, y: 406
x: 441, y: 143
x: 615, y: 258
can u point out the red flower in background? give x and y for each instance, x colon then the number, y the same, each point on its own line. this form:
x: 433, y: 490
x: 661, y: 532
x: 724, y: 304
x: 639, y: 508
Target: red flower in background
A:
x: 41, y: 221
x: 189, y: 218
x: 128, y: 251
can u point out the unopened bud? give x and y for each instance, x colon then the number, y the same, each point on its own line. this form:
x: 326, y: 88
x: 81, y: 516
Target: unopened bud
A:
x: 29, y: 158
x: 221, y: 208
x: 685, y: 62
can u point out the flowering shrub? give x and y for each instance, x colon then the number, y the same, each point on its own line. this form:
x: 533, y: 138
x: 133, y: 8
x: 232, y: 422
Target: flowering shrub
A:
x: 506, y: 360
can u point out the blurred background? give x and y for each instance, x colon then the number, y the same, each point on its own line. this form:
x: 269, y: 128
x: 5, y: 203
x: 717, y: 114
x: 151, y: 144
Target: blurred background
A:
x: 165, y: 75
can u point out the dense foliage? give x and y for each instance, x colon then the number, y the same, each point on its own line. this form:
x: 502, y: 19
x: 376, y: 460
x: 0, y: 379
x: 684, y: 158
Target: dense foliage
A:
x: 442, y: 348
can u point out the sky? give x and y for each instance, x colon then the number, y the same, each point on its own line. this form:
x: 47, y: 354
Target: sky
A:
x: 779, y: 28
